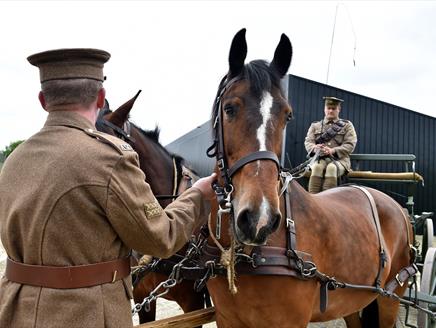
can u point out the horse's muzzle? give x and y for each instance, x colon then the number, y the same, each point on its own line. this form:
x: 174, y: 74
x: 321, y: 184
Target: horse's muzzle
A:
x: 251, y: 229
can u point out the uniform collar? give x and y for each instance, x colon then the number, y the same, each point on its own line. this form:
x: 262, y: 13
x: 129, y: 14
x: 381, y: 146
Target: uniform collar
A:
x: 68, y: 118
x: 327, y: 121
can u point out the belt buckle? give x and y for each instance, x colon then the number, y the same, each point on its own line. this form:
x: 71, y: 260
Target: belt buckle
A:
x: 397, y: 278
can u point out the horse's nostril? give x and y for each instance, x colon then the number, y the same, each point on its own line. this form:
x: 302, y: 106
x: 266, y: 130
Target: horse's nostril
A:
x: 275, y: 221
x: 243, y: 220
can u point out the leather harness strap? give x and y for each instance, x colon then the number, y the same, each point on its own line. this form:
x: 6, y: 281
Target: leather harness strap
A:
x: 401, y: 278
x: 263, y: 260
x: 381, y: 241
x: 331, y: 132
x: 68, y: 277
x: 259, y: 155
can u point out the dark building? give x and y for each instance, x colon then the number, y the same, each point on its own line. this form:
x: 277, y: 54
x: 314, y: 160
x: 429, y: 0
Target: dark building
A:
x: 382, y: 128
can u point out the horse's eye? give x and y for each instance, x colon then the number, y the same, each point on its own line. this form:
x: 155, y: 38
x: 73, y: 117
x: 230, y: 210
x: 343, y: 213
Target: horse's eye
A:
x: 229, y: 110
x: 289, y: 117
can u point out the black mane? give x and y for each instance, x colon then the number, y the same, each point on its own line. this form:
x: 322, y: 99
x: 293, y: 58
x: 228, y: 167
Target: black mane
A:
x: 152, y: 134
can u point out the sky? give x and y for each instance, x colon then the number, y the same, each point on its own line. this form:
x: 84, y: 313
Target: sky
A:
x: 176, y: 52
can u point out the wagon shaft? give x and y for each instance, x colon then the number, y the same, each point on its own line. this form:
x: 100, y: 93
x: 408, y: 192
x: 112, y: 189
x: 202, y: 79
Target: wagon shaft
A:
x: 187, y: 320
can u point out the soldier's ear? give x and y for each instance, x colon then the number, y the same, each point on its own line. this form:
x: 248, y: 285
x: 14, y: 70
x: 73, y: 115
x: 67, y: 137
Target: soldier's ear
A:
x: 42, y: 100
x: 100, y: 98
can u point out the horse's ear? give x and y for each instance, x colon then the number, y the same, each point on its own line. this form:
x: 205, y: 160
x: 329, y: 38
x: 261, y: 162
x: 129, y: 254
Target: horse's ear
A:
x: 121, y: 115
x: 282, y: 56
x: 106, y: 104
x: 238, y: 52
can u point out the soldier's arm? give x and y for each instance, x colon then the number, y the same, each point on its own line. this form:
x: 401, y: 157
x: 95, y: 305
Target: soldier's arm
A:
x: 349, y: 143
x: 309, y: 141
x: 138, y: 218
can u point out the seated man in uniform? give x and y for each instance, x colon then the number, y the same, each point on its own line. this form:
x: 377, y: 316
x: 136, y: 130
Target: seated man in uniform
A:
x: 330, y: 141
x: 74, y: 202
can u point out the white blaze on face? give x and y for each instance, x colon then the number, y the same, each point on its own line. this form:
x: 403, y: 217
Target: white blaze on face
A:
x: 265, y: 111
x: 263, y: 215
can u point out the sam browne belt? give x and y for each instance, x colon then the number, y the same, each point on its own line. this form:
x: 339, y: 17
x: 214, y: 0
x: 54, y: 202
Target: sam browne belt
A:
x: 67, y: 277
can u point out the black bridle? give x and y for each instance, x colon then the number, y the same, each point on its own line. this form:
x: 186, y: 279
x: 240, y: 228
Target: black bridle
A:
x: 217, y: 149
x: 122, y: 133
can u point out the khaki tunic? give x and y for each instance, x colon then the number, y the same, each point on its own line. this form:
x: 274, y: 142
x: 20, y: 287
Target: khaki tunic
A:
x: 343, y: 143
x: 72, y: 196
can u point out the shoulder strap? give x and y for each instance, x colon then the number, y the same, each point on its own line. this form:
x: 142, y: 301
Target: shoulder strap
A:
x: 116, y: 143
x: 331, y: 132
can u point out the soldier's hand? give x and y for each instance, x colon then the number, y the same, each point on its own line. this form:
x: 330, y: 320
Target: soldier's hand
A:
x: 205, y: 186
x: 328, y: 151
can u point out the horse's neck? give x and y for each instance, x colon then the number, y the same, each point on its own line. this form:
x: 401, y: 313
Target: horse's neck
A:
x: 156, y: 164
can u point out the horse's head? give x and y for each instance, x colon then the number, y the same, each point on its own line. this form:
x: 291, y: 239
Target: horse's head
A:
x: 250, y: 114
x: 163, y: 170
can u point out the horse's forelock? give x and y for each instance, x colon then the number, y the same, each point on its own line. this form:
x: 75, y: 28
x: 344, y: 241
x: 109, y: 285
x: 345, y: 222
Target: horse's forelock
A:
x: 260, y: 76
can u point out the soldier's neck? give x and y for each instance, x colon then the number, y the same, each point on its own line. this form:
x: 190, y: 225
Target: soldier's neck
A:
x: 88, y: 112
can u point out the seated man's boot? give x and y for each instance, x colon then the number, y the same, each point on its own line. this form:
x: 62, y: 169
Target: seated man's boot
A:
x: 315, y: 184
x: 330, y: 182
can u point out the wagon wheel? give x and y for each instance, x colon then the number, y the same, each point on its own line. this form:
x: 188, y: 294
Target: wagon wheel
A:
x: 427, y: 237
x: 428, y: 286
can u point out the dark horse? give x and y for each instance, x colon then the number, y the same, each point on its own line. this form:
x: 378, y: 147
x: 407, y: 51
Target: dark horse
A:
x: 167, y: 177
x: 333, y: 234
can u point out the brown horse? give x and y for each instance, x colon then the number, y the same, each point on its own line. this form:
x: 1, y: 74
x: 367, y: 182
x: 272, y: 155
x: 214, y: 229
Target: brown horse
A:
x: 336, y: 229
x: 167, y: 176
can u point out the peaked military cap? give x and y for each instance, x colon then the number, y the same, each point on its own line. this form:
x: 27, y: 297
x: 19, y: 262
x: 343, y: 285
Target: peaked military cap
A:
x: 332, y: 101
x: 76, y: 63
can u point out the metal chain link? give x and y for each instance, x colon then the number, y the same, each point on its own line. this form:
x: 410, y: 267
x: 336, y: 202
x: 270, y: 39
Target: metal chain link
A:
x: 154, y: 295
x: 194, y: 248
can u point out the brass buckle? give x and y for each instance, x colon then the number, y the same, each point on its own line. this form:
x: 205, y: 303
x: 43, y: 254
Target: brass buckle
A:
x: 114, y: 277
x: 397, y: 278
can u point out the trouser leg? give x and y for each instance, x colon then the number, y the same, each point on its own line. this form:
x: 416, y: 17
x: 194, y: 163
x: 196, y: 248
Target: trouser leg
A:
x: 332, y: 173
x: 315, y: 181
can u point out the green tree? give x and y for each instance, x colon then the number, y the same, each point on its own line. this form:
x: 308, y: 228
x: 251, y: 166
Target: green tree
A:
x: 9, y: 149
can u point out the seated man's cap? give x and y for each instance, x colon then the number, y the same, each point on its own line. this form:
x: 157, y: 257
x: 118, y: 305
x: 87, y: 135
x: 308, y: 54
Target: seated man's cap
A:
x: 332, y: 101
x: 76, y: 63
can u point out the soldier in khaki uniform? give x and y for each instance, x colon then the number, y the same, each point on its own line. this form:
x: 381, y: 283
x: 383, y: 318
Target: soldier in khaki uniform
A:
x: 73, y: 203
x: 330, y: 141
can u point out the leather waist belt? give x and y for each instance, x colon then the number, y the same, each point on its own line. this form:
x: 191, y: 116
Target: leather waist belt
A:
x: 68, y: 277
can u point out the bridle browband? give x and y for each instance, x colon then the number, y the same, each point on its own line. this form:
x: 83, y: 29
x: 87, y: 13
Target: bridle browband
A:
x: 217, y: 148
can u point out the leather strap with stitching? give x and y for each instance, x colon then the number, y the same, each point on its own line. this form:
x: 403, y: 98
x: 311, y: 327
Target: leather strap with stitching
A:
x: 68, y: 277
x: 376, y: 218
x: 401, y: 278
